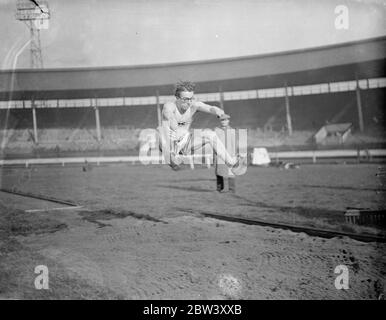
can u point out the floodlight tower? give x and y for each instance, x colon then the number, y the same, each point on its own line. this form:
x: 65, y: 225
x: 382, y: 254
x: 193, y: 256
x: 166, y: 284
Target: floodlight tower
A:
x: 35, y: 14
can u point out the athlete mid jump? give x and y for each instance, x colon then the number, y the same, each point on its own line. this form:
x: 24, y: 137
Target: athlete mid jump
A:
x: 176, y: 137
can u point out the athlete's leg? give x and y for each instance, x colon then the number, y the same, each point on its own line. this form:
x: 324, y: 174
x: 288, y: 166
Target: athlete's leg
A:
x: 164, y: 143
x: 168, y: 148
x: 237, y: 165
x: 183, y: 143
x: 210, y: 137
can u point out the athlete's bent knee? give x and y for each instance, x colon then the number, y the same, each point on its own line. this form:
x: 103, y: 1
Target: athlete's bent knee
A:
x: 208, y: 134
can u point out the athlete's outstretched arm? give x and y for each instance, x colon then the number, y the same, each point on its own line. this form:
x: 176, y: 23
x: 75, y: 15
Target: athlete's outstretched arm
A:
x: 209, y: 109
x: 167, y: 116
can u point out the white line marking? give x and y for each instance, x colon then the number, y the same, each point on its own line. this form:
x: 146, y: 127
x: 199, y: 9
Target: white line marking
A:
x: 51, y: 209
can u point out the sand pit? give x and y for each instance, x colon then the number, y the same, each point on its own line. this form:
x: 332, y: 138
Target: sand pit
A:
x: 144, y: 239
x: 200, y: 258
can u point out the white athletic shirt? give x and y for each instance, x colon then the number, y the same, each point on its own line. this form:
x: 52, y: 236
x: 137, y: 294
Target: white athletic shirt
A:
x: 184, y: 121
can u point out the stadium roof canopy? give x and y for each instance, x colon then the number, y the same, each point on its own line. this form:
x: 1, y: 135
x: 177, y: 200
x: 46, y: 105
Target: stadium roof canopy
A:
x: 346, y: 61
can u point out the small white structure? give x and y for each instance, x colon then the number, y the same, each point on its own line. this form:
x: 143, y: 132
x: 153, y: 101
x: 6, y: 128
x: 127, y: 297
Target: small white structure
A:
x: 333, y: 133
x: 260, y: 157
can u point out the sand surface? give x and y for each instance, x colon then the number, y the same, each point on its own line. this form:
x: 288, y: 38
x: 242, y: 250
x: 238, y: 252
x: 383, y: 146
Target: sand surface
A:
x: 171, y: 253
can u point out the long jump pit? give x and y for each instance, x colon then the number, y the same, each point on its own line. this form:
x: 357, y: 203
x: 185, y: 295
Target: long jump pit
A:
x: 140, y: 241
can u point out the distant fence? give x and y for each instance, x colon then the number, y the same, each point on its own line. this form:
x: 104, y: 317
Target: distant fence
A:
x: 328, y: 154
x: 207, y: 159
x: 98, y: 160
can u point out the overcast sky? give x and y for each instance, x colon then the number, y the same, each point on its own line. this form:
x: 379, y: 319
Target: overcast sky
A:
x: 89, y: 33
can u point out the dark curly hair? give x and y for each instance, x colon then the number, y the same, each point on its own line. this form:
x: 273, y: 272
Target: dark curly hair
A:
x: 184, y: 86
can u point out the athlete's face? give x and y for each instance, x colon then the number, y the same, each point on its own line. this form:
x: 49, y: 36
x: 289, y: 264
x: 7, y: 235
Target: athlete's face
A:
x: 225, y: 122
x: 185, y: 100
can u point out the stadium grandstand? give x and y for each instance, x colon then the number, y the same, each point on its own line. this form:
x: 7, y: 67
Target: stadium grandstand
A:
x: 282, y: 98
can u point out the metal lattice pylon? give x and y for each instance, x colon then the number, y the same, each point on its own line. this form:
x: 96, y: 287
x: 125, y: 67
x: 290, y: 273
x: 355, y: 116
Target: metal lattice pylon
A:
x: 35, y: 15
x: 36, y: 57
